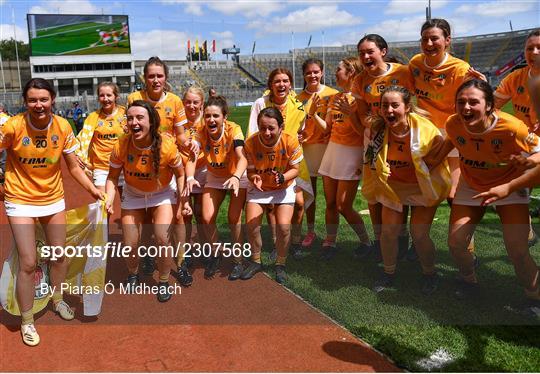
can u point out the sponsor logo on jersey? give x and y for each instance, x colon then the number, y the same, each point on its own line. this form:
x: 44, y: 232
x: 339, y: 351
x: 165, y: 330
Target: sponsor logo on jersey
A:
x: 496, y: 144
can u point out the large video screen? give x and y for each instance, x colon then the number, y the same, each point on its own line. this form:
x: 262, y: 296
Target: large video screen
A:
x: 59, y: 34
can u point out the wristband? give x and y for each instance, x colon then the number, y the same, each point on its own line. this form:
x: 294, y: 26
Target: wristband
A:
x: 190, y: 178
x: 236, y: 177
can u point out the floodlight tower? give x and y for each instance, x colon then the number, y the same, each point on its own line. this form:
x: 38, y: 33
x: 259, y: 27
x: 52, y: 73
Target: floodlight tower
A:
x: 428, y: 11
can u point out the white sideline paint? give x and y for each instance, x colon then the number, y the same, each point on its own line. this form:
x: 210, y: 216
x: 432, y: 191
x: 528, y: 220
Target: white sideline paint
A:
x: 436, y: 361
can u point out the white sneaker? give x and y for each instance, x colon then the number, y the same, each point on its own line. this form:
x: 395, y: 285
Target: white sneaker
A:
x: 29, y: 335
x: 64, y: 311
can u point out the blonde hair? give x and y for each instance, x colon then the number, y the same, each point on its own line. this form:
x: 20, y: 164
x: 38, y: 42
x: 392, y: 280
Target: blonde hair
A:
x: 352, y: 64
x: 114, y: 86
x: 196, y: 90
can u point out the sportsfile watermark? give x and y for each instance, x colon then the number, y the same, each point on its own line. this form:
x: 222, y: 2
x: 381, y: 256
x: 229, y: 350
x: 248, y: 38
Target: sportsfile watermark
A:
x: 343, y: 283
x: 119, y: 250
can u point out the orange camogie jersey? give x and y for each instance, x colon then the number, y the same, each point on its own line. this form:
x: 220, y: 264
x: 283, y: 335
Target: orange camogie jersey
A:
x: 342, y: 131
x: 107, y: 131
x: 263, y: 159
x: 220, y: 154
x: 33, y: 175
x: 484, y: 157
x: 313, y: 132
x: 399, y: 158
x: 170, y: 108
x: 514, y: 87
x: 138, y: 167
x: 435, y: 87
x: 369, y: 88
x: 191, y: 132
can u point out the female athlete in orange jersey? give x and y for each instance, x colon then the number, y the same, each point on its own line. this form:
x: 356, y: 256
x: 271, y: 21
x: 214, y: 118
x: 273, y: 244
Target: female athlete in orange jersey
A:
x: 314, y: 139
x: 222, y: 142
x: 172, y: 118
x: 100, y: 132
x: 515, y: 86
x: 193, y: 101
x: 368, y: 86
x: 283, y: 98
x: 398, y: 176
x: 273, y: 162
x: 34, y: 141
x: 486, y: 139
x: 341, y: 166
x: 149, y: 160
x: 437, y: 75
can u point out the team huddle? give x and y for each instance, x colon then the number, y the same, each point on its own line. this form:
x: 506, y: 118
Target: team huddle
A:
x: 173, y: 161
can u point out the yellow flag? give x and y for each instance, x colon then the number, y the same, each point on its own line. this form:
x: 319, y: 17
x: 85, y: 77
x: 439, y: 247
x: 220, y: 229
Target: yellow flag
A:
x: 196, y: 45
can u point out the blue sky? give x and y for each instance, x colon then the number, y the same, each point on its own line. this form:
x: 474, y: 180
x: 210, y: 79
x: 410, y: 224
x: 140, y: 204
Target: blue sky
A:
x: 162, y: 27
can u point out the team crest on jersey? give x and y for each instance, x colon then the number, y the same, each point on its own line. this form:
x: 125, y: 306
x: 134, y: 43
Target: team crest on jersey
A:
x: 100, y: 123
x: 520, y: 89
x: 394, y: 81
x: 168, y: 110
x: 207, y: 148
x: 54, y: 140
x: 259, y: 156
x: 442, y: 76
x: 496, y: 144
x: 367, y: 88
x: 460, y: 140
x: 282, y: 152
x: 130, y: 158
x: 416, y: 72
x: 26, y: 141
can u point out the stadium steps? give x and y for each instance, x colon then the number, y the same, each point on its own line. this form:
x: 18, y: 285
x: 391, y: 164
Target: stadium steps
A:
x: 244, y: 72
x: 502, y: 49
x: 197, y: 78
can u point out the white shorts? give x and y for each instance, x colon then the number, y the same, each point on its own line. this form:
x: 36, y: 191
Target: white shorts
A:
x: 286, y: 196
x: 342, y: 162
x: 454, y: 152
x: 313, y: 154
x: 201, y: 175
x: 465, y: 192
x: 24, y: 210
x: 215, y: 182
x: 100, y: 178
x: 135, y: 199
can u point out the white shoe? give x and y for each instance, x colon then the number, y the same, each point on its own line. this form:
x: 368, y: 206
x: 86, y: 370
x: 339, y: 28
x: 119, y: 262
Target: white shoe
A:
x: 29, y: 335
x: 64, y: 311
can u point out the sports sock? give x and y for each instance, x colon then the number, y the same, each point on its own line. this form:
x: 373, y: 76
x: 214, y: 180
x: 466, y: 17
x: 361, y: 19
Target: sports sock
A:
x: 57, y: 297
x: 27, y: 317
x: 281, y: 260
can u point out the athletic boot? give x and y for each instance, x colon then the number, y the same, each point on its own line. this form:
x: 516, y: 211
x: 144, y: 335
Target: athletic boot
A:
x: 184, y: 276
x: 251, y: 270
x: 236, y: 271
x: 384, y: 282
x: 163, y: 292
x: 281, y: 275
